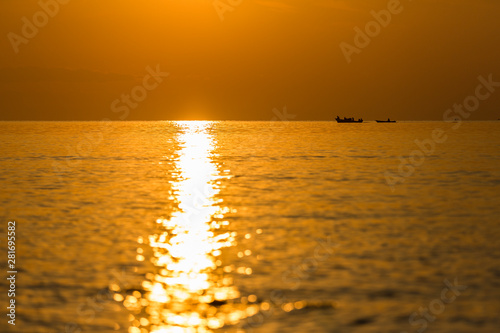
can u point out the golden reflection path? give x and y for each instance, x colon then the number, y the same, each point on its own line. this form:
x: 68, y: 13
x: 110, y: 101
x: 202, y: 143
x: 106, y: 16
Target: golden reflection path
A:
x: 192, y: 287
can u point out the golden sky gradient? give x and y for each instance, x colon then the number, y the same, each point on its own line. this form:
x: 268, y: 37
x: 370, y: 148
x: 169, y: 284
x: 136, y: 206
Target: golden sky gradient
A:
x: 240, y: 59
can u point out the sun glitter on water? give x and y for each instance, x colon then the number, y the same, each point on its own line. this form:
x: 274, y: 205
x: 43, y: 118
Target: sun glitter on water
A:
x: 192, y: 289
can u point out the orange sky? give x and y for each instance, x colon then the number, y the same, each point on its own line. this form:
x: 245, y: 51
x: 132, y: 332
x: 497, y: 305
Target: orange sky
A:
x: 264, y: 54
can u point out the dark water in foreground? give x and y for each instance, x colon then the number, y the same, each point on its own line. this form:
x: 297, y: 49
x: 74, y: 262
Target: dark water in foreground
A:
x: 252, y: 226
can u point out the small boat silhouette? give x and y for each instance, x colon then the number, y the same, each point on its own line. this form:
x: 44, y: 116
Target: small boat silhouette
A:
x: 348, y: 120
x: 386, y: 121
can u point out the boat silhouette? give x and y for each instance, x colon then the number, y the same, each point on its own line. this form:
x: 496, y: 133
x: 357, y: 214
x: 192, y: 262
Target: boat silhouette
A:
x: 386, y: 121
x: 348, y: 120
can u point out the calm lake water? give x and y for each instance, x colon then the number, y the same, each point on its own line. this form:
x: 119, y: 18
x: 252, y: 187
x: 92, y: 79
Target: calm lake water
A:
x: 252, y: 226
